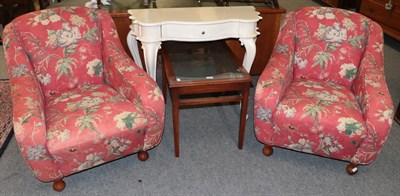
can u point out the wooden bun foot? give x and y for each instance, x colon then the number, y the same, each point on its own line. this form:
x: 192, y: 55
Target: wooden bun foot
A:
x: 267, y: 150
x: 59, y: 185
x: 143, y: 155
x: 352, y: 168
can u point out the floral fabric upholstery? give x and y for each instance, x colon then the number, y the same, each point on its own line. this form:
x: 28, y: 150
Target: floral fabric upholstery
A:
x: 324, y: 90
x: 79, y: 100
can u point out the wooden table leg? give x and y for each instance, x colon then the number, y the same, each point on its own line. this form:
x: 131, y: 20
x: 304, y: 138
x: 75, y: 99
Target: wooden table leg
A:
x: 175, y: 116
x: 243, y: 114
x: 397, y: 115
x: 164, y: 84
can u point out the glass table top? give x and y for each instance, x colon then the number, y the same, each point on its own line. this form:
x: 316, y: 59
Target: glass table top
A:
x: 201, y: 61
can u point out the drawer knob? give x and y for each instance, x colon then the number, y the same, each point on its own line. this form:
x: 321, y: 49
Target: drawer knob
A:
x: 389, y: 5
x: 203, y: 32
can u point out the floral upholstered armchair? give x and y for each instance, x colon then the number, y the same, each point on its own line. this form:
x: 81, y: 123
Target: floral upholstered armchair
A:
x: 79, y: 100
x: 324, y: 91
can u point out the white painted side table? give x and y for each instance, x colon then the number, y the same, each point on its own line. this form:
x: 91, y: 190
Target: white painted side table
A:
x: 192, y: 24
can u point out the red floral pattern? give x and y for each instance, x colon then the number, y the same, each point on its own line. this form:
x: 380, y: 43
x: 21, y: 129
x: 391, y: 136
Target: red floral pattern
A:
x: 79, y: 100
x: 324, y: 90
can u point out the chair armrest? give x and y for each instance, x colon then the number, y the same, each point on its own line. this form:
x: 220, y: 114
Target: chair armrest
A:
x: 373, y: 95
x: 28, y: 109
x: 125, y: 76
x: 272, y: 83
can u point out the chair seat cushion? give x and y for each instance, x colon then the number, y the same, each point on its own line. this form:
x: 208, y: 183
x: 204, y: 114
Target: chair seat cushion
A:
x: 319, y: 117
x: 91, y: 125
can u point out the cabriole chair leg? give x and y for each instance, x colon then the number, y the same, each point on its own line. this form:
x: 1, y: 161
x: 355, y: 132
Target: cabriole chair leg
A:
x: 352, y: 168
x: 143, y: 155
x: 267, y: 150
x: 59, y: 185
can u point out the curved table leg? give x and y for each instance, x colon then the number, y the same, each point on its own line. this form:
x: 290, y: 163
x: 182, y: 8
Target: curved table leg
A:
x: 133, y: 47
x: 150, y: 50
x: 250, y: 46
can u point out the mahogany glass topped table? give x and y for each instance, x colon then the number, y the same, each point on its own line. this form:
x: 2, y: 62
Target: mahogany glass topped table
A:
x: 203, y: 73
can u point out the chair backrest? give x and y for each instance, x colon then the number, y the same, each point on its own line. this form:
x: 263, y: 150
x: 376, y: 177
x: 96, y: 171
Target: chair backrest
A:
x: 329, y: 44
x: 63, y: 45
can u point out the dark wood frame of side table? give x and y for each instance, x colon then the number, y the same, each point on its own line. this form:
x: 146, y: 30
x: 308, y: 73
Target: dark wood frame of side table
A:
x: 397, y: 114
x: 177, y: 89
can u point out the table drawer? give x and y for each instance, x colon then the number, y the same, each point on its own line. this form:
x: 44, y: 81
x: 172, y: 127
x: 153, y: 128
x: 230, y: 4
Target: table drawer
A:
x: 375, y: 9
x: 197, y: 32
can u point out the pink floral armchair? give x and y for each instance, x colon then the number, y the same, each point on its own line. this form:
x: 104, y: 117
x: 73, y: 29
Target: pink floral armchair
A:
x: 79, y: 100
x: 324, y: 91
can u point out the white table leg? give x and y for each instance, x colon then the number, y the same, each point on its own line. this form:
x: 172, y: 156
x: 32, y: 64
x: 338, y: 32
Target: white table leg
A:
x: 150, y: 50
x: 250, y: 46
x: 133, y: 47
